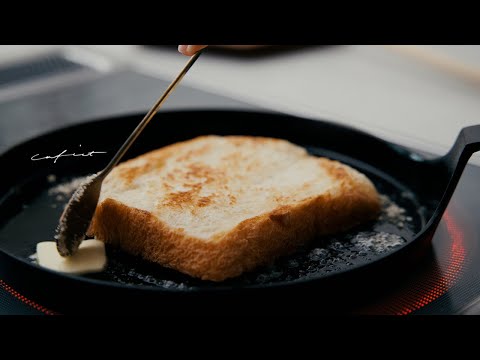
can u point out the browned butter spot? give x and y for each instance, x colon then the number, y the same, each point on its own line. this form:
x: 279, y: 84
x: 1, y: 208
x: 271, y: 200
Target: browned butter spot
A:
x: 204, y: 201
x: 181, y: 198
x: 129, y: 173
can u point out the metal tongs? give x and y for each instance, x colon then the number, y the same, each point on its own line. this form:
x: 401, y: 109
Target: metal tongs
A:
x: 80, y: 209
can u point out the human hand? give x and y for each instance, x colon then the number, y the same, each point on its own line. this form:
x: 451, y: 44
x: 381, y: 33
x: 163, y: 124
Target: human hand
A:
x: 189, y: 50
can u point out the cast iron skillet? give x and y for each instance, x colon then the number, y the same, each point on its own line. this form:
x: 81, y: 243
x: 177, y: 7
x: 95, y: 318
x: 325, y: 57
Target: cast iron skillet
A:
x: 324, y: 277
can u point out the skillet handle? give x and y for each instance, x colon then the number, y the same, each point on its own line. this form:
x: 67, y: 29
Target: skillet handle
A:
x: 454, y: 162
x: 467, y: 143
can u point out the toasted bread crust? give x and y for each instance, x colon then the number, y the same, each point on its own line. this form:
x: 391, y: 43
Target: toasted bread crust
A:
x: 253, y: 242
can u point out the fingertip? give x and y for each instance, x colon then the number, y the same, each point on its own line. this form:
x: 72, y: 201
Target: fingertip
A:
x: 183, y: 49
x: 190, y: 50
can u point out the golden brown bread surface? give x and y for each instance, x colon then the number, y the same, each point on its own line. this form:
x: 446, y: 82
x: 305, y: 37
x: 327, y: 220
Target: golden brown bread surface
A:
x: 214, y: 207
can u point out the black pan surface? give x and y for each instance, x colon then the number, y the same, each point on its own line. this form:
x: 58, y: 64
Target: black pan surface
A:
x: 33, y: 198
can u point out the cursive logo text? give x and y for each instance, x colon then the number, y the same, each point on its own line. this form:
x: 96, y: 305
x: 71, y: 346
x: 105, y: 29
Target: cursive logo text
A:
x: 64, y: 153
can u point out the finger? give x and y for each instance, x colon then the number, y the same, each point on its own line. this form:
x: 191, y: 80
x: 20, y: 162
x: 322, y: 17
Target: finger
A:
x: 189, y: 50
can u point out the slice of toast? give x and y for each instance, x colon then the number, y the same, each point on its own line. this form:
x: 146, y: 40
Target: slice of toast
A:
x: 214, y: 207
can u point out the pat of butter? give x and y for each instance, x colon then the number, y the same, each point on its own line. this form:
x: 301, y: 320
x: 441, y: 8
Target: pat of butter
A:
x: 89, y: 258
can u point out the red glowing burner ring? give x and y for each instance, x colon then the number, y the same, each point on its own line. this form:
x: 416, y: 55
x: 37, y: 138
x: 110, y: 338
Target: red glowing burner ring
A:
x: 439, y: 285
x: 25, y: 300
